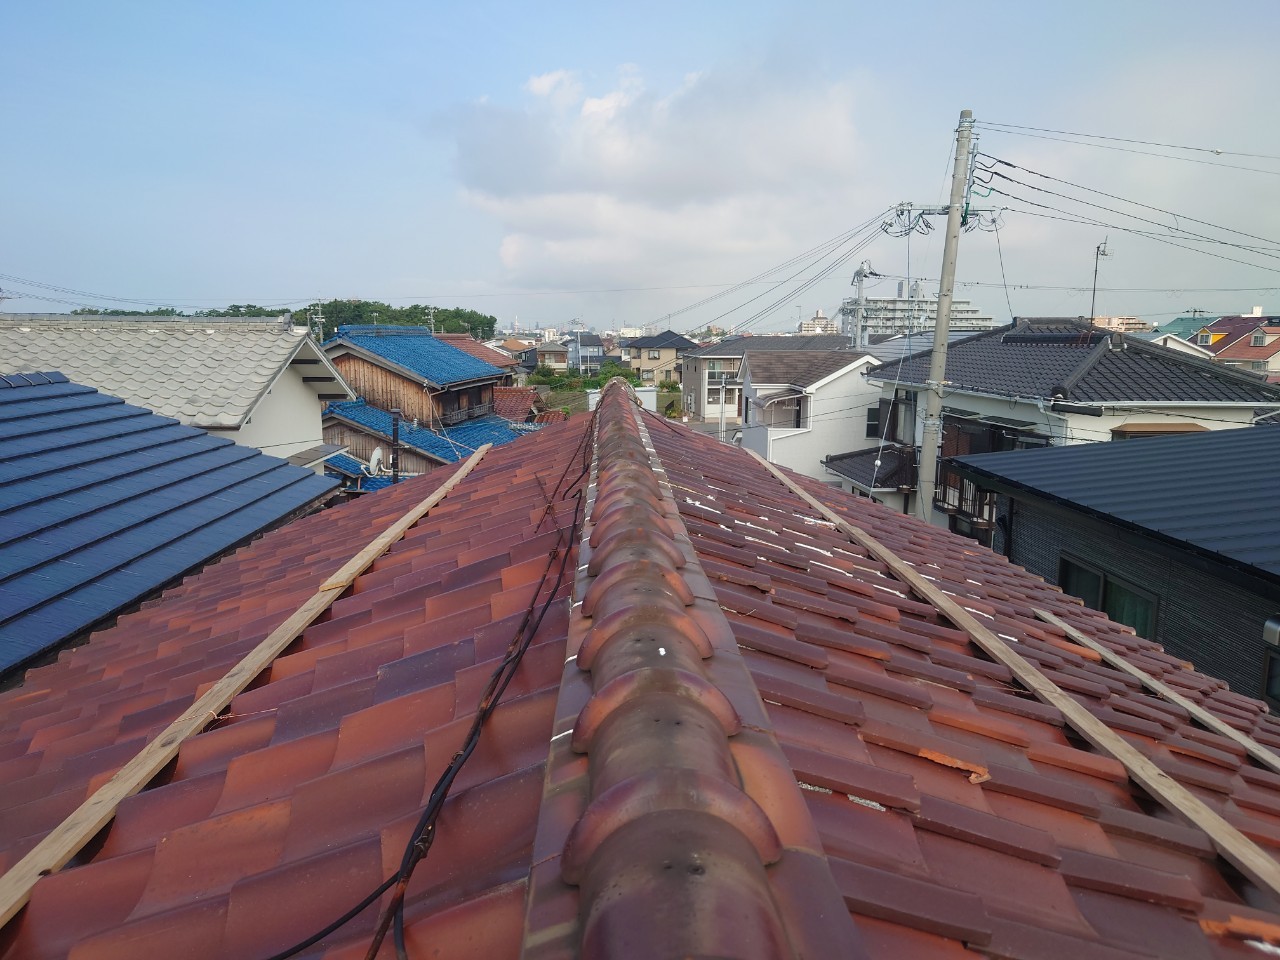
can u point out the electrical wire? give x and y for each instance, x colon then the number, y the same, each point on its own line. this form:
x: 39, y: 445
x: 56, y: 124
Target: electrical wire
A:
x: 1004, y: 280
x: 420, y: 840
x: 1112, y: 196
x: 1123, y: 229
x: 1142, y: 143
x: 1185, y: 234
x: 1145, y: 153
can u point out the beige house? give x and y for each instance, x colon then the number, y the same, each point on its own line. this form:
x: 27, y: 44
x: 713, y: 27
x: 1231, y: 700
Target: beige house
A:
x: 658, y: 357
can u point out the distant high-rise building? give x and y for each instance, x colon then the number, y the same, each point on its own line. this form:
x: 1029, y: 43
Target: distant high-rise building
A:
x: 885, y: 316
x: 820, y: 323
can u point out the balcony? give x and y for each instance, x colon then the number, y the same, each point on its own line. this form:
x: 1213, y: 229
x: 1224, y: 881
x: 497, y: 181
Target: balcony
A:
x: 455, y: 417
x: 958, y: 495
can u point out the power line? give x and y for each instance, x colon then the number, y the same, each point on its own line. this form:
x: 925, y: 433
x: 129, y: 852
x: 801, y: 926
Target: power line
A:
x: 1262, y: 251
x: 1144, y: 143
x: 1145, y: 153
x: 1112, y: 226
x: 1111, y: 196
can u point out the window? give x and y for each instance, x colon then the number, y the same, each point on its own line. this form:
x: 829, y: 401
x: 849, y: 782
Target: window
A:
x: 873, y: 422
x: 1120, y: 601
x: 1259, y: 340
x: 655, y: 354
x: 1258, y: 366
x: 1204, y: 339
x: 1271, y: 676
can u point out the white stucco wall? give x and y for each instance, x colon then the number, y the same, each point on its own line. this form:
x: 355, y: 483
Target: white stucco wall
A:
x: 286, y: 420
x: 837, y: 423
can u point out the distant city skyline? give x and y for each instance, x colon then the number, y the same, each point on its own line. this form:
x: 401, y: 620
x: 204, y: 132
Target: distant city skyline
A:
x: 632, y: 167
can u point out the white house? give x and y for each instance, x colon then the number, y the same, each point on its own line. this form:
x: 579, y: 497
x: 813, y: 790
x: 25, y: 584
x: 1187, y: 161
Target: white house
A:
x: 799, y: 405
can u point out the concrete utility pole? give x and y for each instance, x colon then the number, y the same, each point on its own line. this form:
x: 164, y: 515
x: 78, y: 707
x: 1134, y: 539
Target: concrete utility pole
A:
x: 859, y: 336
x: 1099, y: 252
x: 932, y: 440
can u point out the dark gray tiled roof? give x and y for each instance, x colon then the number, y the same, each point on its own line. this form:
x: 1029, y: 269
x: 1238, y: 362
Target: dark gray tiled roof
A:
x: 1114, y: 481
x: 737, y: 346
x: 668, y: 339
x: 897, y: 466
x: 796, y: 367
x: 1044, y: 357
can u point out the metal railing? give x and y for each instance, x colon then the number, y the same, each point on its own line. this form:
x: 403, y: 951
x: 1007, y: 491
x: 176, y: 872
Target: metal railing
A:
x: 454, y: 417
x: 957, y: 494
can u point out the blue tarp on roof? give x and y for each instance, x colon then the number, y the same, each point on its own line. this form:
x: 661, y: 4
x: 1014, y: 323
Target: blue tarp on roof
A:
x: 447, y: 445
x: 102, y: 502
x: 417, y: 350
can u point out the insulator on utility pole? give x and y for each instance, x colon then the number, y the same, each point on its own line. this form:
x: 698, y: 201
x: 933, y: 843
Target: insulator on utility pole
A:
x: 931, y: 441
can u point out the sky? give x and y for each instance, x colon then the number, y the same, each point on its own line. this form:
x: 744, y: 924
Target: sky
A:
x: 646, y: 165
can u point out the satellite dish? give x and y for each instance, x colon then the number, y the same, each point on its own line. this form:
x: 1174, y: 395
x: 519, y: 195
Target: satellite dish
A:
x: 377, y: 461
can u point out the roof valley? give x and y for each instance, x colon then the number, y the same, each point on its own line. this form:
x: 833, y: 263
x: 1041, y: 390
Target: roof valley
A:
x: 683, y: 780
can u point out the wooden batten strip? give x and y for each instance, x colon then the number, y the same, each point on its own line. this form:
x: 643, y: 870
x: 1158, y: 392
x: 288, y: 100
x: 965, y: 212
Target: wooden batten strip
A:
x: 1264, y: 756
x: 1230, y: 843
x: 70, y: 836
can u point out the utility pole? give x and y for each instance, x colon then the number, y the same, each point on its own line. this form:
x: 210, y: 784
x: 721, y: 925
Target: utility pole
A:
x: 858, y: 336
x: 1098, y: 252
x: 431, y: 319
x: 932, y: 440
x: 720, y: 435
x: 395, y: 444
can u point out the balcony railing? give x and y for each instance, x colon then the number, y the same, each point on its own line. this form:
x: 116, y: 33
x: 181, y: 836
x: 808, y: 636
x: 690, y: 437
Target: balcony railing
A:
x: 960, y: 495
x: 454, y: 417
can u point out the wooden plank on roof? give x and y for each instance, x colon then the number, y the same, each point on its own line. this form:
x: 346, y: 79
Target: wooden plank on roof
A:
x: 70, y: 836
x: 1263, y: 755
x: 1230, y: 843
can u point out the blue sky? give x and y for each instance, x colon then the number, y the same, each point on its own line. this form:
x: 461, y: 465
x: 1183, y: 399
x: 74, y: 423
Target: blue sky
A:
x: 507, y: 156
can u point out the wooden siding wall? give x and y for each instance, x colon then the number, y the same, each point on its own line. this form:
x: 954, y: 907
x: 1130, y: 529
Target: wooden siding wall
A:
x: 361, y: 446
x: 382, y: 389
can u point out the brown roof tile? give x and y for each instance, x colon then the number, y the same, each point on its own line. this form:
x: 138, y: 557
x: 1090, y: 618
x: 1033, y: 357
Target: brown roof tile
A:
x: 828, y: 749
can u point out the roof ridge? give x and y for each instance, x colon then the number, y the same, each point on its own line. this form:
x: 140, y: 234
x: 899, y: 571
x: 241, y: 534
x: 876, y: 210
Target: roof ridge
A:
x: 653, y: 693
x: 1100, y: 349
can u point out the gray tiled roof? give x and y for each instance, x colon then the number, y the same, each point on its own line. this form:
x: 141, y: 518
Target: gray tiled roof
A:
x: 797, y: 367
x: 737, y: 346
x: 204, y: 373
x: 1044, y: 357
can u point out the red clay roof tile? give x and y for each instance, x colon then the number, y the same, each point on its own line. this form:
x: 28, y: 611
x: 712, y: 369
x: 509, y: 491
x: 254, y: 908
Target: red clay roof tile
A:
x: 916, y: 783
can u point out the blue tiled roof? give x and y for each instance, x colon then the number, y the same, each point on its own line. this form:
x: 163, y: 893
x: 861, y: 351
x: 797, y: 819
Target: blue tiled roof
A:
x: 416, y: 350
x: 102, y: 502
x: 447, y: 445
x: 344, y: 464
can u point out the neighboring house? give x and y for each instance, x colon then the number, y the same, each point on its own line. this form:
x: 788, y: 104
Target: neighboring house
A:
x: 1199, y: 575
x: 657, y: 358
x: 261, y: 383
x: 586, y: 353
x: 1182, y: 327
x: 551, y: 354
x: 1221, y: 333
x: 1173, y: 341
x: 708, y: 371
x: 1257, y: 351
x: 363, y: 429
x: 799, y: 406
x: 1052, y: 381
x: 102, y: 503
x: 427, y: 378
x: 727, y: 732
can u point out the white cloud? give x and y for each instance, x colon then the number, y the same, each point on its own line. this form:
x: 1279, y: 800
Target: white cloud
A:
x: 723, y: 171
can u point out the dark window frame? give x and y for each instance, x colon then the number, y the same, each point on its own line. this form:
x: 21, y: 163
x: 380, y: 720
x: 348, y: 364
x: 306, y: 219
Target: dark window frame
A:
x: 1109, y: 579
